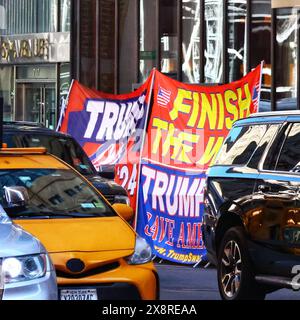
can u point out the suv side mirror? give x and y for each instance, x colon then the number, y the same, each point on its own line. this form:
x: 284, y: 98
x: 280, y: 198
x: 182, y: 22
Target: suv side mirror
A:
x: 107, y: 171
x: 16, y: 196
x: 124, y: 211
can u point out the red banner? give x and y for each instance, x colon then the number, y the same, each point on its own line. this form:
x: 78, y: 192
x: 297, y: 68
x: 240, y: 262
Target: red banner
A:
x: 188, y: 123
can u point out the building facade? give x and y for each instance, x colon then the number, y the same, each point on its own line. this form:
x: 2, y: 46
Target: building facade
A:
x: 117, y: 43
x: 34, y: 58
x: 112, y: 45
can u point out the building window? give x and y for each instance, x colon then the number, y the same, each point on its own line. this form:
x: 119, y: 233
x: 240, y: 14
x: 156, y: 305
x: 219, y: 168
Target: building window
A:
x: 191, y: 41
x: 64, y: 84
x: 28, y: 16
x: 260, y: 48
x: 148, y: 38
x: 107, y: 45
x: 127, y: 45
x: 237, y: 44
x: 87, y: 42
x: 7, y: 91
x: 65, y: 16
x: 213, y: 69
x: 286, y: 43
x: 168, y: 35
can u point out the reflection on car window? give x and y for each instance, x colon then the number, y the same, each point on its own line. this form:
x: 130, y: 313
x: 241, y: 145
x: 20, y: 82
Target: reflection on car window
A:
x: 289, y: 159
x: 240, y: 144
x: 54, y: 191
x: 262, y: 145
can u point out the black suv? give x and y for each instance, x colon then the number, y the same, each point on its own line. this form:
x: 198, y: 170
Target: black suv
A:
x: 65, y: 147
x: 251, y: 222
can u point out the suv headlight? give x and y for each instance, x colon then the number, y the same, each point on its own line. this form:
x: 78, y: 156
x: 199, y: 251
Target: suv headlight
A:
x: 142, y: 252
x: 122, y: 199
x: 23, y: 268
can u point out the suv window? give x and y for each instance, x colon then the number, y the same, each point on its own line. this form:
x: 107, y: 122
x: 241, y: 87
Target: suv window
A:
x: 272, y: 156
x: 289, y: 159
x: 272, y: 131
x: 240, y: 144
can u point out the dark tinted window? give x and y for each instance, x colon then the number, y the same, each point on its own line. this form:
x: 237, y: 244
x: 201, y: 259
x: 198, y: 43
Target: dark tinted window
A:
x: 272, y: 130
x: 289, y: 159
x: 240, y: 144
x: 272, y: 156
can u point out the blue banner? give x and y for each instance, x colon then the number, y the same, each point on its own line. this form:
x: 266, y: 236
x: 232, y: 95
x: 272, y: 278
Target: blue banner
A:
x: 170, y: 210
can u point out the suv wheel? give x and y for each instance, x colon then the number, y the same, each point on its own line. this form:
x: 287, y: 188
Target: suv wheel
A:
x: 235, y: 275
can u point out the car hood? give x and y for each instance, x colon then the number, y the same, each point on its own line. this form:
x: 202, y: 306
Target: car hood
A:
x: 106, y: 186
x: 14, y: 241
x: 82, y: 234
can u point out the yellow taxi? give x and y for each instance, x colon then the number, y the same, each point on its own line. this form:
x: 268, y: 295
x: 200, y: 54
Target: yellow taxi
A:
x: 97, y: 255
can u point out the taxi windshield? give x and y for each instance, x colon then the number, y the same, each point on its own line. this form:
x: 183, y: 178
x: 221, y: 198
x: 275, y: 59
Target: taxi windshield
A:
x: 52, y: 193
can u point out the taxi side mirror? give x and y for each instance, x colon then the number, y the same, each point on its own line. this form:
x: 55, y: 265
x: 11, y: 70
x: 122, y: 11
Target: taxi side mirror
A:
x: 124, y: 211
x: 16, y: 196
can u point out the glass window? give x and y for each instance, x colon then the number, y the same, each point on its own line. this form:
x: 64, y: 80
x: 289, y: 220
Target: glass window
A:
x: 47, y: 197
x: 35, y: 72
x: 191, y: 41
x: 237, y: 12
x: 289, y: 159
x: 107, y: 45
x: 28, y: 16
x: 2, y: 18
x: 64, y: 83
x: 65, y: 16
x: 148, y: 42
x: 7, y: 91
x: 272, y: 130
x: 272, y: 156
x: 240, y: 145
x: 286, y: 53
x: 127, y: 45
x: 213, y: 69
x: 168, y: 35
x: 87, y: 43
x: 260, y: 48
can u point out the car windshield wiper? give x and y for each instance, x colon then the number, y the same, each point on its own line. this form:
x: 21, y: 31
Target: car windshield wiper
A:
x: 75, y: 214
x: 51, y: 214
x: 25, y: 214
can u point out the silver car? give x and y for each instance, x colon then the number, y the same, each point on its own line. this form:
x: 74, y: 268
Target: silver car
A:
x: 26, y: 271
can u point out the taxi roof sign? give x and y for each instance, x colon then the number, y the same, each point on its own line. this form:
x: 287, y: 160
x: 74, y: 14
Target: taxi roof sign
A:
x: 16, y: 151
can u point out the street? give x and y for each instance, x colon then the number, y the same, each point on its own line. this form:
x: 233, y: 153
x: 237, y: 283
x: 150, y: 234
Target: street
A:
x: 187, y: 283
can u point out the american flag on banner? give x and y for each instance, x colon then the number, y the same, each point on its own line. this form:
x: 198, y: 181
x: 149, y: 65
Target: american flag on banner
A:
x: 255, y: 96
x: 163, y: 96
x: 257, y: 90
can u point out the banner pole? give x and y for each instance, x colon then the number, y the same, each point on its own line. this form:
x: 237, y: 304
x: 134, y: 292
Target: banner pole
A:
x: 142, y: 146
x: 63, y: 108
x: 260, y: 82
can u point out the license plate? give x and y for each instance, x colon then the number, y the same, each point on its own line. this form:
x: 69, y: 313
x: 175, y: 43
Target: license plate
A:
x: 78, y: 294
